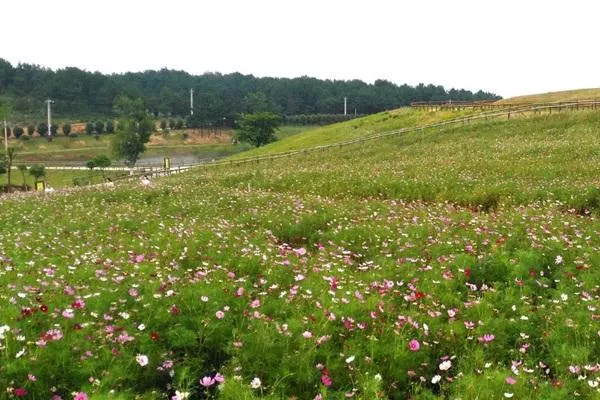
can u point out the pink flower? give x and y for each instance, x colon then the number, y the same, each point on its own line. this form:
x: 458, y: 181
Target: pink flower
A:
x: 326, y: 380
x: 510, y: 380
x: 207, y: 381
x: 255, y: 303
x: 307, y: 334
x: 414, y: 345
x: 79, y: 304
x: 68, y: 313
x: 20, y: 392
x: 81, y: 396
x: 487, y: 338
x: 219, y: 314
x: 219, y: 378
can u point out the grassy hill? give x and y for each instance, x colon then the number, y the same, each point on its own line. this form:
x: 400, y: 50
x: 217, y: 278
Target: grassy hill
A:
x: 457, y: 263
x: 567, y: 95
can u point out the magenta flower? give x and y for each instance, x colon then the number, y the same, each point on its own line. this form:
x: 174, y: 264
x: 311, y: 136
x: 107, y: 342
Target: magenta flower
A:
x: 510, y: 380
x: 414, y: 345
x: 487, y: 338
x: 81, y: 396
x: 326, y: 380
x: 207, y: 381
x: 219, y: 378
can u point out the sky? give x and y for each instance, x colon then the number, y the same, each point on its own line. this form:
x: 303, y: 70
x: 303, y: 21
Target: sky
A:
x: 507, y: 47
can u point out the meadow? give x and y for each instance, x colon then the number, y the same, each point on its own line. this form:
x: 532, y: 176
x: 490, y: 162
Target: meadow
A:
x: 459, y: 263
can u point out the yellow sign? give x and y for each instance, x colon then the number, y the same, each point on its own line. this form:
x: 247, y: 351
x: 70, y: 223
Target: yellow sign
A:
x: 40, y: 186
x: 167, y: 163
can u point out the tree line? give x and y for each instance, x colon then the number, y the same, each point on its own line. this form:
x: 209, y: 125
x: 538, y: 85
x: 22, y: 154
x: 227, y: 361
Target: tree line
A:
x: 218, y: 98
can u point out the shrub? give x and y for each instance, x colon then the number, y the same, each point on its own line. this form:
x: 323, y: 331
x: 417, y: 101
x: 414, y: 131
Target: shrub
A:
x: 89, y: 128
x: 18, y: 131
x: 66, y: 128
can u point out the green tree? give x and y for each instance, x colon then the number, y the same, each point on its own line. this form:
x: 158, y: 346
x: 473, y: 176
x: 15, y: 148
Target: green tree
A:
x: 42, y: 129
x: 163, y: 125
x: 66, y: 128
x: 258, y: 129
x: 30, y: 130
x: 101, y: 162
x: 89, y: 128
x: 37, y: 171
x: 18, y: 131
x: 8, y: 159
x: 53, y: 129
x: 110, y: 126
x: 131, y: 138
x: 22, y: 169
x: 127, y: 107
x: 99, y: 127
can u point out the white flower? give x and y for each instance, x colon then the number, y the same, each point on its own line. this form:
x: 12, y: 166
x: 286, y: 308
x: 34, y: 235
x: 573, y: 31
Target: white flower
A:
x: 141, y: 327
x: 592, y: 383
x: 377, y: 377
x: 508, y: 395
x: 564, y: 297
x: 182, y: 395
x: 142, y: 359
x: 558, y: 260
x: 256, y: 383
x: 436, y: 379
x: 350, y: 359
x: 20, y: 354
x: 445, y: 365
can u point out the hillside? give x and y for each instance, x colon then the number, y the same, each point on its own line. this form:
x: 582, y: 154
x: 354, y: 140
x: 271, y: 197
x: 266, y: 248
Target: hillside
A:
x: 567, y: 95
x: 455, y: 263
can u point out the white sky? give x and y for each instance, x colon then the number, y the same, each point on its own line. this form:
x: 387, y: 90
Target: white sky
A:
x: 510, y: 47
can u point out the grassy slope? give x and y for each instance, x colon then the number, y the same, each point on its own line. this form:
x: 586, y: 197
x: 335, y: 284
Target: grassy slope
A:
x: 348, y: 209
x: 567, y: 95
x: 385, y: 121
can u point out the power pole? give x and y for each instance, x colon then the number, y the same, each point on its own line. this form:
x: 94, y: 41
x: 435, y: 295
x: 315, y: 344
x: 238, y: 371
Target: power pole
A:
x: 191, y: 101
x: 345, y: 105
x: 49, y: 123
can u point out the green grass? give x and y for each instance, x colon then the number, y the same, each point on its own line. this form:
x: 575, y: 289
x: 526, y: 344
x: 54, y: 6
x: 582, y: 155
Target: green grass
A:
x: 567, y: 95
x: 479, y: 242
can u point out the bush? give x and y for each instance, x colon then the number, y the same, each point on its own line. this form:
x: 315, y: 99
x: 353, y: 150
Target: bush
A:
x: 25, y: 137
x: 30, y: 129
x: 163, y: 125
x: 89, y: 128
x: 66, y: 128
x: 18, y: 131
x: 42, y: 129
x: 179, y: 124
x: 110, y: 127
x: 37, y: 171
x: 99, y: 127
x: 53, y: 129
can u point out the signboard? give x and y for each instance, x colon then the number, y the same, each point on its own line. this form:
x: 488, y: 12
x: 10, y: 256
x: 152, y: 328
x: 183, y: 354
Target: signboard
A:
x: 167, y: 163
x: 40, y: 186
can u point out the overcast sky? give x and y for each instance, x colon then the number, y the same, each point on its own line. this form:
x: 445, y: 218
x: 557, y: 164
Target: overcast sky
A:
x: 509, y: 47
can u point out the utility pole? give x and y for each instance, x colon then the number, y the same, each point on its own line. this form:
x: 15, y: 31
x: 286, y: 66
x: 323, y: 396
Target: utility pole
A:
x: 49, y: 123
x: 345, y: 105
x: 191, y: 101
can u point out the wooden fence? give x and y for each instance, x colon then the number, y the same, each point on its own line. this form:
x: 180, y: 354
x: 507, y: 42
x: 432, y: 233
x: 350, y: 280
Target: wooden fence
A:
x: 504, y: 113
x: 485, y: 105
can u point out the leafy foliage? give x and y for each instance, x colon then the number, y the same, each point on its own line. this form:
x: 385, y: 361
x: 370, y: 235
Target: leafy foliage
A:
x: 258, y: 129
x: 66, y: 128
x: 130, y: 139
x: 37, y: 171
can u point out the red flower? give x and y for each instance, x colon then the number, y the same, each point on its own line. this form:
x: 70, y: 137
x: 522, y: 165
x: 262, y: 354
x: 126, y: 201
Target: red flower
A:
x: 44, y: 308
x: 154, y: 336
x: 467, y: 272
x: 174, y: 310
x: 20, y: 392
x: 420, y: 295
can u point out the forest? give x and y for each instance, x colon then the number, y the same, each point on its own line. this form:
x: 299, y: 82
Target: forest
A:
x: 218, y: 98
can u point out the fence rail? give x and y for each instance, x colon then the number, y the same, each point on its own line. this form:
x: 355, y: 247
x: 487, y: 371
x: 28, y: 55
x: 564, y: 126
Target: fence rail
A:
x: 506, y: 112
x: 486, y: 105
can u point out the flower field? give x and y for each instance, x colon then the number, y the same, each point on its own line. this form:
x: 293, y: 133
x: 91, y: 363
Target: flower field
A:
x: 459, y: 264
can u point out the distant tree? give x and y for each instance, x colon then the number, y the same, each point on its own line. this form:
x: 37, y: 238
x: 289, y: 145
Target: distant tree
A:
x: 110, y: 126
x: 172, y: 123
x: 42, y: 129
x: 53, y: 129
x: 258, y: 129
x: 91, y: 164
x: 131, y: 138
x: 101, y: 162
x: 18, y: 131
x: 22, y: 169
x: 163, y: 125
x: 179, y: 123
x: 66, y: 128
x: 37, y: 171
x: 30, y: 130
x: 257, y: 102
x: 127, y: 107
x: 89, y: 128
x: 99, y: 127
x: 9, y: 157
